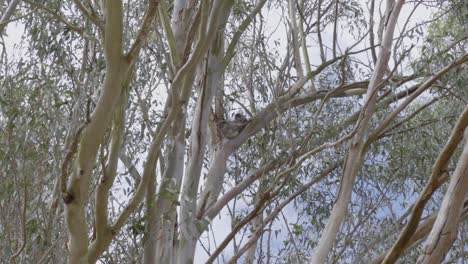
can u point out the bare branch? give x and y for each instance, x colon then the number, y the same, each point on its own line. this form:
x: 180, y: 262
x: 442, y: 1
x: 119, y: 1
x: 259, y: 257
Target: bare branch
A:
x: 88, y: 14
x: 5, y: 18
x: 384, y: 124
x: 278, y: 209
x: 144, y: 30
x: 295, y: 39
x: 319, y: 30
x: 61, y: 19
x: 243, y: 26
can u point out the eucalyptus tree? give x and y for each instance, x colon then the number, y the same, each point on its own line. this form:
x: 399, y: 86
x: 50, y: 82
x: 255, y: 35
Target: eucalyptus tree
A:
x: 152, y: 125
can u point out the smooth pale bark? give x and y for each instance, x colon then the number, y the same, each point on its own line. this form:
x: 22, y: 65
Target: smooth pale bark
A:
x: 118, y: 75
x: 189, y: 234
x: 182, y: 16
x: 356, y: 153
x: 295, y: 38
x: 103, y: 234
x: 444, y: 232
x: 180, y: 35
x: 211, y: 79
x: 76, y: 194
x: 166, y: 204
x: 189, y: 218
x: 161, y: 206
x: 166, y: 199
x: 183, y: 19
x: 163, y: 214
x: 182, y: 83
x: 158, y: 236
x: 256, y: 224
x: 150, y: 237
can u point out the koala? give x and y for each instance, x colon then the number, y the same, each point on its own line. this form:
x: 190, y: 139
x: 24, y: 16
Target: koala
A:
x: 239, y: 117
x: 231, y: 128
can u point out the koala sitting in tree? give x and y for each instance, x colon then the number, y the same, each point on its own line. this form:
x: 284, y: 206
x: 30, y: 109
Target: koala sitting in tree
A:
x: 227, y: 128
x: 230, y: 129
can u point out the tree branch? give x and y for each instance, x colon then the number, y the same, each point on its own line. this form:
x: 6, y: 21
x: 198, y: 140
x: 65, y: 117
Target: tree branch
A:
x: 144, y: 31
x: 5, y: 18
x: 431, y: 186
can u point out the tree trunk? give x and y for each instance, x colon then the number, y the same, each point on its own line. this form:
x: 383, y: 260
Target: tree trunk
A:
x: 212, y: 76
x: 357, y: 152
x: 444, y: 231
